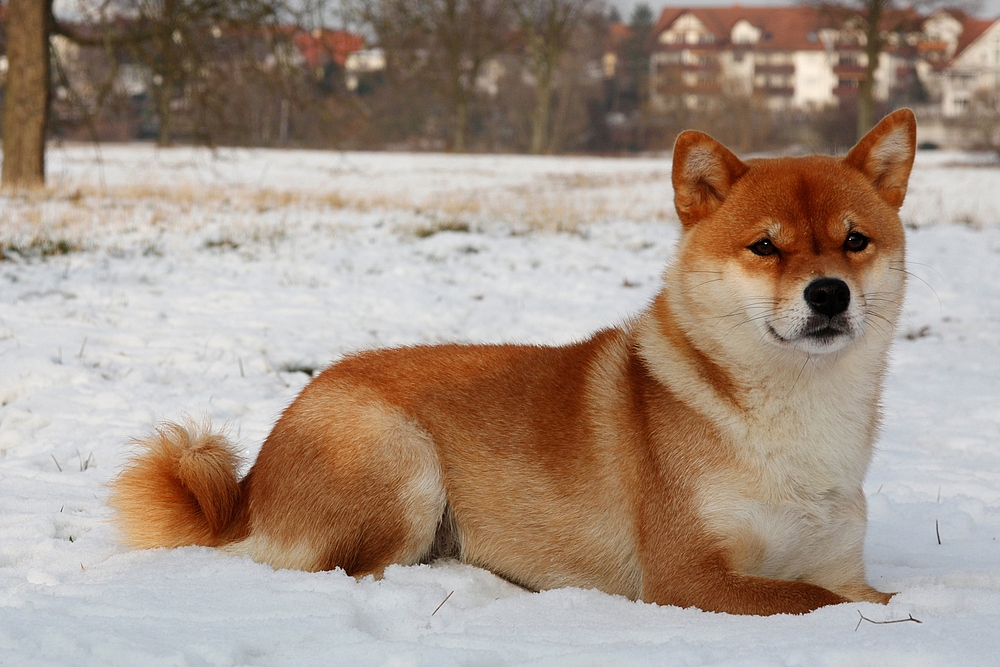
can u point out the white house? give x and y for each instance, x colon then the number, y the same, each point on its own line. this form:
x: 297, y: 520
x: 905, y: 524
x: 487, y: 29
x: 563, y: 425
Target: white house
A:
x: 961, y: 55
x: 362, y: 62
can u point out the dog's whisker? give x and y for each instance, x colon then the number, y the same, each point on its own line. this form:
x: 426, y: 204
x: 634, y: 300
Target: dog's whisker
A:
x: 799, y: 375
x: 929, y: 286
x: 707, y: 282
x: 924, y: 265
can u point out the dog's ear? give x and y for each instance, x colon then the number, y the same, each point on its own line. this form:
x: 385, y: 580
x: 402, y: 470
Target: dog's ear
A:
x: 885, y: 155
x: 704, y: 172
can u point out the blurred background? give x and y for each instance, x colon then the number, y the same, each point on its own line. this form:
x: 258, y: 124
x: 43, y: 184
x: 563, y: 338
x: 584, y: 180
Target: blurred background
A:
x: 524, y: 76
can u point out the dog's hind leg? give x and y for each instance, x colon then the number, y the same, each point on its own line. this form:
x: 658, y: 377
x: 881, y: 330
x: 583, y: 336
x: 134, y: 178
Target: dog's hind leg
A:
x: 344, y: 480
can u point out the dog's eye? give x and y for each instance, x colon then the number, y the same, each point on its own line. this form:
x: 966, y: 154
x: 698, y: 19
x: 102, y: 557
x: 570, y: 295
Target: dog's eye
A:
x: 856, y: 242
x: 764, y: 247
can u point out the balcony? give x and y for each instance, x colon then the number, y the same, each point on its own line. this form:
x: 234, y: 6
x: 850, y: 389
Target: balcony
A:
x: 761, y: 68
x: 699, y: 67
x: 853, y: 70
x: 776, y: 91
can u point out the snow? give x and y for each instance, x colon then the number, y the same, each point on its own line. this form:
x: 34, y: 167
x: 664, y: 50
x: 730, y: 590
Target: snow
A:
x: 203, y: 283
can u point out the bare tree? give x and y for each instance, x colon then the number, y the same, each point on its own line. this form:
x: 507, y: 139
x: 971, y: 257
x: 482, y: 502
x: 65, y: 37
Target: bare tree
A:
x: 578, y: 88
x: 236, y: 72
x: 981, y: 120
x: 178, y: 42
x: 879, y: 23
x: 547, y: 27
x: 444, y: 43
x: 872, y: 14
x: 27, y: 97
x: 632, y: 79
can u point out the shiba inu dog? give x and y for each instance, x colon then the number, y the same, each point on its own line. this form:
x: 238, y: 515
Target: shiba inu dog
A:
x: 710, y: 452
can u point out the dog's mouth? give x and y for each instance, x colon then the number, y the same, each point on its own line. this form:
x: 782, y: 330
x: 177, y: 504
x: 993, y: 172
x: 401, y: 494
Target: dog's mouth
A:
x: 825, y: 330
x: 818, y: 329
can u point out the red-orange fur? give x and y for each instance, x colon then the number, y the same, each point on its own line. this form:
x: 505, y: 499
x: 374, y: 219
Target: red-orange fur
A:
x: 183, y: 484
x: 551, y: 466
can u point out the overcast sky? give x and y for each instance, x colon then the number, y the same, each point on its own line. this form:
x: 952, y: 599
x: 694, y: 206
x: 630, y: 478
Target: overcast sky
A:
x: 989, y: 8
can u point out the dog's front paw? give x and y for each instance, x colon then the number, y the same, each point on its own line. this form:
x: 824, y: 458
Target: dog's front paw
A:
x: 863, y: 593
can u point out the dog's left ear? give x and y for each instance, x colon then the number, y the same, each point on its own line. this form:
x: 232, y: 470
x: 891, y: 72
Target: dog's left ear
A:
x: 885, y: 155
x: 704, y: 172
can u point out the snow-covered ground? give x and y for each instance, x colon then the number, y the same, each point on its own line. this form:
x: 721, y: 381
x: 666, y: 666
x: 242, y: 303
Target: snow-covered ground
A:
x: 151, y: 284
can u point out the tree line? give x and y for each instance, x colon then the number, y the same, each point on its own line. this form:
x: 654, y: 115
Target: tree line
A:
x: 482, y: 75
x: 539, y: 76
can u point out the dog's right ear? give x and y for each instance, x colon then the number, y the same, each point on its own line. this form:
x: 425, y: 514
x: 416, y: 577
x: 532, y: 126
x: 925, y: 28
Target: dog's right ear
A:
x: 704, y: 172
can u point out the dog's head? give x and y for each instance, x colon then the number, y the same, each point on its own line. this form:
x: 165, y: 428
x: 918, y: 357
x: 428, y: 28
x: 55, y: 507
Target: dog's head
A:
x: 806, y: 253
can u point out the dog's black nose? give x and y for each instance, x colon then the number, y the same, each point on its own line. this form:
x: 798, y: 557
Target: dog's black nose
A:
x: 828, y: 296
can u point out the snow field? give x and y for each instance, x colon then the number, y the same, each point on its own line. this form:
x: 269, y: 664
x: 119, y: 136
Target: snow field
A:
x: 177, y: 282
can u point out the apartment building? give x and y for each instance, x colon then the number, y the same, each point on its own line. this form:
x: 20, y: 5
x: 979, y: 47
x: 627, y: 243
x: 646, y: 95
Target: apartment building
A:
x: 789, y: 57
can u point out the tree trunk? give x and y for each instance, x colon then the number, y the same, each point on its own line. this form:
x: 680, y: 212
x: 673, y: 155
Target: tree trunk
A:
x: 163, y: 112
x: 544, y: 67
x: 461, y: 124
x: 26, y: 107
x: 462, y: 93
x: 873, y: 48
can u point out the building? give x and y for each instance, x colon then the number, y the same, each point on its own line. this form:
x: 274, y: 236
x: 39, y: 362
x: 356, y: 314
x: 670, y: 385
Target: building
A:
x: 959, y: 56
x: 789, y: 57
x: 365, y: 65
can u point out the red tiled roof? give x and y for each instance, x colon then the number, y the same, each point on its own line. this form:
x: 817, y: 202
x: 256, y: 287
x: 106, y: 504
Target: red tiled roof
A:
x: 783, y: 28
x: 787, y: 28
x: 618, y: 33
x: 320, y: 46
x: 972, y: 28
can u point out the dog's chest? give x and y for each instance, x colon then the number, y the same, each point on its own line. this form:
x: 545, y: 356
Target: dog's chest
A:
x: 791, y: 500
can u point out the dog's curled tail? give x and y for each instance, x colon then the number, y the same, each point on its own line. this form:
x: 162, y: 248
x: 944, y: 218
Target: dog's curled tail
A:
x: 180, y: 489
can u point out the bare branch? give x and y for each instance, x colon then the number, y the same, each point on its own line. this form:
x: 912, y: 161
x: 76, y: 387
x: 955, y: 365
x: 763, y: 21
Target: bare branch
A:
x: 897, y: 620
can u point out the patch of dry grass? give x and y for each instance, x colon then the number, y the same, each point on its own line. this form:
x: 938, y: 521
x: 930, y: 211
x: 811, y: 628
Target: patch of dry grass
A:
x: 61, y: 220
x: 259, y: 200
